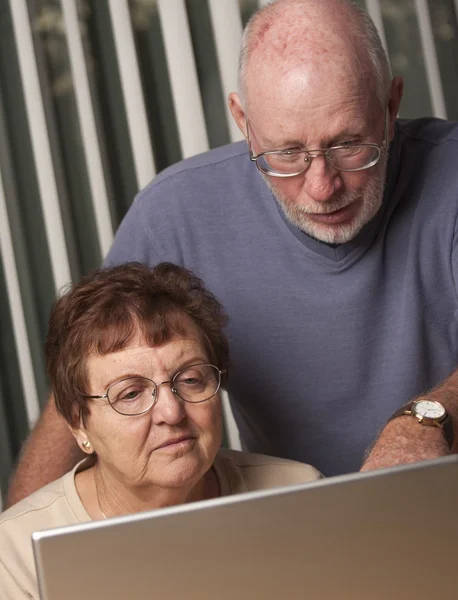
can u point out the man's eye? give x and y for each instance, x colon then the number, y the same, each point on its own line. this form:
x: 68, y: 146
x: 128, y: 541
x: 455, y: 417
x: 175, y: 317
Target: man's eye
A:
x: 288, y: 155
x: 352, y: 149
x: 349, y: 145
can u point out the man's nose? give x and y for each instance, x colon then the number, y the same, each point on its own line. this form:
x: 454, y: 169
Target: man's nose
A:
x: 321, y: 180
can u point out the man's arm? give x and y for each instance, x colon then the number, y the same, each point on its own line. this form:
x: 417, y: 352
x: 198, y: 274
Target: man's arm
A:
x: 404, y: 440
x: 49, y: 452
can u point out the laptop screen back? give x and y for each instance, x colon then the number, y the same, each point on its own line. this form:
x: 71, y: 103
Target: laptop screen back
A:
x: 380, y: 535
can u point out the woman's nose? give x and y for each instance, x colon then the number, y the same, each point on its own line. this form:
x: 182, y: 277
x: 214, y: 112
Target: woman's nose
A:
x: 168, y: 408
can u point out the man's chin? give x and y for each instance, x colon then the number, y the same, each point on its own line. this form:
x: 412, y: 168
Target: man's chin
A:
x: 331, y: 232
x: 340, y: 225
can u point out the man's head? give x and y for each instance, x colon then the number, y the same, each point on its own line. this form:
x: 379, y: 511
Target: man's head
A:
x: 314, y: 75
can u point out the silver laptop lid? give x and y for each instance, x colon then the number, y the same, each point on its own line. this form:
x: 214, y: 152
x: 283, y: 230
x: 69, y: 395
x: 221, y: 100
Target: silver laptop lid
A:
x: 386, y: 534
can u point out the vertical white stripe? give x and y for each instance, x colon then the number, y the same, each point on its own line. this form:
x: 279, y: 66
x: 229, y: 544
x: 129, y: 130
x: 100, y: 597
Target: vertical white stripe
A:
x: 132, y: 92
x: 17, y: 314
x: 431, y: 62
x: 375, y: 12
x: 183, y: 77
x: 227, y: 29
x: 232, y: 432
x: 40, y: 144
x: 88, y: 127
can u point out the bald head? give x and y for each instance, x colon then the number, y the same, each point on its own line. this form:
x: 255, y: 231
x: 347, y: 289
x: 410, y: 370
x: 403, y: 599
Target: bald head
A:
x: 314, y: 79
x: 320, y: 41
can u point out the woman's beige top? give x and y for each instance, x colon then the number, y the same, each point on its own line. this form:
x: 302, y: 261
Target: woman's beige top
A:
x: 58, y: 504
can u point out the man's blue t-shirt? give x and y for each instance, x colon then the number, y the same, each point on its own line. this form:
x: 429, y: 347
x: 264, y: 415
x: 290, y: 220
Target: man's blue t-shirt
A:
x: 326, y: 342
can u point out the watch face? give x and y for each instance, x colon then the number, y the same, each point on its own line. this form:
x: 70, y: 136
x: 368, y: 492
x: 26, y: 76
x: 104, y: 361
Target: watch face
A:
x: 429, y: 409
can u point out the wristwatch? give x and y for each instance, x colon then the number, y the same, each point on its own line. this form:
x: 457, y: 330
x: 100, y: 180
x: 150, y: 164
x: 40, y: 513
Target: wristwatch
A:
x: 428, y: 412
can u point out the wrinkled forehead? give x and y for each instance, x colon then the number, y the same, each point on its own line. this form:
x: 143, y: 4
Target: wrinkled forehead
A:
x: 306, y: 108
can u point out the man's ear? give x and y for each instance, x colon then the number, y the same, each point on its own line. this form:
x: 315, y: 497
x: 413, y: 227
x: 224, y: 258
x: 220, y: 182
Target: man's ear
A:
x: 394, y: 101
x: 81, y: 436
x: 235, y: 106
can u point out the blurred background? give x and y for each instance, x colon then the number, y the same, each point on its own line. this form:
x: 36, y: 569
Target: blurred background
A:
x: 96, y: 97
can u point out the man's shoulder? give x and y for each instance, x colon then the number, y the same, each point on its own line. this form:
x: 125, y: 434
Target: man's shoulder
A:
x: 429, y: 129
x: 201, y: 166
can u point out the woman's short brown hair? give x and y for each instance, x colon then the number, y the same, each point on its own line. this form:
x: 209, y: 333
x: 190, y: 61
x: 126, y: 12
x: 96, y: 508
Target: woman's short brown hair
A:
x: 103, y: 311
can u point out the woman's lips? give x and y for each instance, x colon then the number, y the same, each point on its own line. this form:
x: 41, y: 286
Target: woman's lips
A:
x: 179, y: 443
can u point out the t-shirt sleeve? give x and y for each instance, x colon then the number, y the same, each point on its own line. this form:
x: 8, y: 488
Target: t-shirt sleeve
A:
x: 10, y: 589
x: 134, y: 240
x: 454, y: 258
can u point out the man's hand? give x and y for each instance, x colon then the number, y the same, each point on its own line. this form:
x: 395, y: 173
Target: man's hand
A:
x: 49, y: 452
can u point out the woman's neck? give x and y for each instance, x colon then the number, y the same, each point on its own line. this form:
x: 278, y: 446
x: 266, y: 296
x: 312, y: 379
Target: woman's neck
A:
x: 104, y: 496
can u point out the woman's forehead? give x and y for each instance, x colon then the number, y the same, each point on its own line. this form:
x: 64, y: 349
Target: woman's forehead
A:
x: 178, y: 346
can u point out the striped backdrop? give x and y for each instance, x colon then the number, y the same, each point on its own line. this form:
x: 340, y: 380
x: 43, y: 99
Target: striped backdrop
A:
x: 96, y: 96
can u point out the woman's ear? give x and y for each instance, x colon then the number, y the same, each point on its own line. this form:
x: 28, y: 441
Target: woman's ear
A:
x: 81, y: 436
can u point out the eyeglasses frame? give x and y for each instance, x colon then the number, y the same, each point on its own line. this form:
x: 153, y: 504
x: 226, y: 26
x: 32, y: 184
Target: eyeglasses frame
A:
x: 158, y: 385
x: 318, y: 152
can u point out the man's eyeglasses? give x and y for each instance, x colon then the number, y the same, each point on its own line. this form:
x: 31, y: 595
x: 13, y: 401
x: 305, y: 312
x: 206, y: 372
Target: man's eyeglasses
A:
x: 294, y: 161
x: 137, y: 395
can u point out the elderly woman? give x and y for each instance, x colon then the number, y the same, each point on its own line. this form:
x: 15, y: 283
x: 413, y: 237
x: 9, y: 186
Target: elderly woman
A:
x: 136, y: 358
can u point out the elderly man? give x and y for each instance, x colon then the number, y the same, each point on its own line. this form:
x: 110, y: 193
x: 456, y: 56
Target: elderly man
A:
x: 331, y: 244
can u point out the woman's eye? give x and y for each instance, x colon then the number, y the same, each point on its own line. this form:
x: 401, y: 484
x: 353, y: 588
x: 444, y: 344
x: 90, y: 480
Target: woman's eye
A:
x: 190, y: 377
x: 130, y: 395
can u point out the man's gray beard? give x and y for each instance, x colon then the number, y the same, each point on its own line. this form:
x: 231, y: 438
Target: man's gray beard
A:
x: 372, y: 195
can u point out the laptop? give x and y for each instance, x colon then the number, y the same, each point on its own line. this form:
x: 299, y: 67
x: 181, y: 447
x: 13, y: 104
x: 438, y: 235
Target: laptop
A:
x: 381, y: 535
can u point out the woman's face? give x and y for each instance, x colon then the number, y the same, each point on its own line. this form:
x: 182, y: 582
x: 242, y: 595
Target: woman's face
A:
x: 175, y: 442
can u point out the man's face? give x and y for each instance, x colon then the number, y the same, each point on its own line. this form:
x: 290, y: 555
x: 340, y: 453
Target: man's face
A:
x: 329, y: 205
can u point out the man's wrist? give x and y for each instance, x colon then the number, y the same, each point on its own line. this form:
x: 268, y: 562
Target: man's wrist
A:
x: 404, y: 440
x: 428, y: 412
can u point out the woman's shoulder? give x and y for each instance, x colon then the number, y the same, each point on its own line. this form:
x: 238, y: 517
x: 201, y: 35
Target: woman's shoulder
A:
x: 44, y: 509
x: 246, y: 471
x: 54, y: 505
x: 36, y: 502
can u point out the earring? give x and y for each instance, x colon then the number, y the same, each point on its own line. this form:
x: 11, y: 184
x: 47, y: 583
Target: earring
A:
x: 86, y: 445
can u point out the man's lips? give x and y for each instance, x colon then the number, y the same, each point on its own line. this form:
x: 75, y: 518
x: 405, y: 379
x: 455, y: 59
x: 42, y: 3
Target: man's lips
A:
x: 338, y: 216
